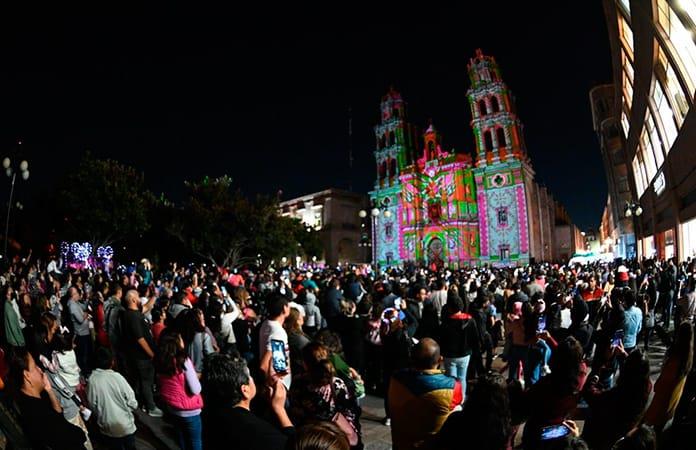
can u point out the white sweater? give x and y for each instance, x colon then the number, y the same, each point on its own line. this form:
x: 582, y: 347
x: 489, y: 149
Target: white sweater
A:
x: 113, y: 401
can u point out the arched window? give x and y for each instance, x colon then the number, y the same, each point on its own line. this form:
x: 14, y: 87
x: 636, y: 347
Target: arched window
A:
x: 383, y: 170
x: 382, y: 142
x: 495, y: 106
x: 431, y: 150
x: 488, y: 141
x: 392, y: 138
x: 482, y: 108
x: 500, y: 136
x: 392, y: 168
x: 395, y: 112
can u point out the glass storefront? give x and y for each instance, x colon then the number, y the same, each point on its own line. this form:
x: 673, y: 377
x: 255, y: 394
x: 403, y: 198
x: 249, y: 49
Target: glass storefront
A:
x: 687, y: 236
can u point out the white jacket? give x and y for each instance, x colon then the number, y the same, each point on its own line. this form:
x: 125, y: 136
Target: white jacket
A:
x: 113, y: 401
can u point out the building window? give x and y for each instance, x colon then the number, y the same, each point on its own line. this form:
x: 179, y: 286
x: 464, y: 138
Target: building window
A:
x: 383, y: 170
x: 689, y: 7
x: 500, y: 136
x: 390, y: 257
x: 389, y: 230
x: 627, y: 65
x: 648, y: 156
x: 502, y: 217
x: 627, y: 89
x: 626, y: 7
x: 655, y: 139
x: 392, y: 168
x: 639, y: 175
x: 665, y: 73
x: 681, y: 38
x: 495, y: 107
x: 626, y: 35
x: 504, y: 252
x: 624, y: 123
x: 488, y: 141
x: 666, y: 116
x: 392, y: 138
x: 482, y: 108
x: 395, y: 112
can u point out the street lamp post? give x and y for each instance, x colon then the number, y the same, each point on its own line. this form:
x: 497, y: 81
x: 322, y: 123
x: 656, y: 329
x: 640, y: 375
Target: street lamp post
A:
x: 365, y: 241
x: 11, y: 172
x: 634, y: 210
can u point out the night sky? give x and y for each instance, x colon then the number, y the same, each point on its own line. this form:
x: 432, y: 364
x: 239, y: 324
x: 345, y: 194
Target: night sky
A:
x: 263, y: 95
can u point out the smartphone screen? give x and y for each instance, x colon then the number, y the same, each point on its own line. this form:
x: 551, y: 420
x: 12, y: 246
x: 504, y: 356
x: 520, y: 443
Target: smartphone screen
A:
x: 280, y: 362
x: 541, y: 324
x: 616, y: 340
x: 554, y: 432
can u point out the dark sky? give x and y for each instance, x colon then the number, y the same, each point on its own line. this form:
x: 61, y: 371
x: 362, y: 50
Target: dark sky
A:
x: 263, y: 95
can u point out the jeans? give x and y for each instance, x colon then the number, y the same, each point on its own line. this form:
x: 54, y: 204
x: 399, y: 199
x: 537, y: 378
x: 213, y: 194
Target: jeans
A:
x: 122, y: 443
x: 537, y: 357
x: 142, y: 378
x: 517, y: 356
x: 457, y: 368
x: 189, y: 430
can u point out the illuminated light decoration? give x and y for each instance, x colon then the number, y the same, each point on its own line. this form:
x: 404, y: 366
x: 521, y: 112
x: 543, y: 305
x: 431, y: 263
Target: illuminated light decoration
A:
x: 64, y: 249
x: 443, y: 206
x: 77, y: 255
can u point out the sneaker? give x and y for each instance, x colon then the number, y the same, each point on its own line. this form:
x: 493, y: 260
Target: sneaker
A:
x: 156, y: 412
x: 546, y: 370
x: 386, y: 422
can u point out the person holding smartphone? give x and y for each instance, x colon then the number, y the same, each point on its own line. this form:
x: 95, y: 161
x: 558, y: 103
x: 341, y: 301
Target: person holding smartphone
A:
x: 272, y: 364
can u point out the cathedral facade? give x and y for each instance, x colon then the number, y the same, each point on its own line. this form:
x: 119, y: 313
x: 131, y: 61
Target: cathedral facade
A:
x: 443, y: 209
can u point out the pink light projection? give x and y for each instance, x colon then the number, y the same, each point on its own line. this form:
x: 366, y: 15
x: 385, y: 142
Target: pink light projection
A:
x: 522, y: 212
x: 483, y: 228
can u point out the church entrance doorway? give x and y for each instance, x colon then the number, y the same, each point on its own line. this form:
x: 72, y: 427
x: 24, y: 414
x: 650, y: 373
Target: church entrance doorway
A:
x: 435, y: 254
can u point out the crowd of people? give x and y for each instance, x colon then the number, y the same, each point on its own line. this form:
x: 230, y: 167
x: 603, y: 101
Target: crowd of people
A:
x: 282, y: 357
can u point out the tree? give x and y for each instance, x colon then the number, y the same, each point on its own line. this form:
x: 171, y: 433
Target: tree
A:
x: 104, y: 201
x: 208, y: 224
x: 225, y: 228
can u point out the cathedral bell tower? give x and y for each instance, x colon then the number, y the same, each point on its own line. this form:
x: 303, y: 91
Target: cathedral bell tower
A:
x: 497, y: 130
x: 503, y: 173
x: 395, y: 140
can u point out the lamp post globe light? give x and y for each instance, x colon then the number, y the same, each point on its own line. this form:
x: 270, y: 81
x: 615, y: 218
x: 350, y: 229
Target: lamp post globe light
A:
x: 633, y: 209
x: 11, y: 172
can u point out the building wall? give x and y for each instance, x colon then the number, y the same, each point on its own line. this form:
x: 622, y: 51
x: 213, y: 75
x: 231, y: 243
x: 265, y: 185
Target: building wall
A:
x: 653, y: 48
x: 333, y: 213
x: 501, y: 194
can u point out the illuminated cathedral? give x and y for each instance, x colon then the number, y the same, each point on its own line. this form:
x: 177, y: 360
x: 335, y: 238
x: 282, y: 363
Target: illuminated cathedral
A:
x: 441, y: 208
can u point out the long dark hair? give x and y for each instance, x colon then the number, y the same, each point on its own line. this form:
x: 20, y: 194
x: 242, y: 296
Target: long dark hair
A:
x: 487, y: 412
x: 191, y: 324
x: 320, y: 370
x: 565, y: 365
x: 170, y: 357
